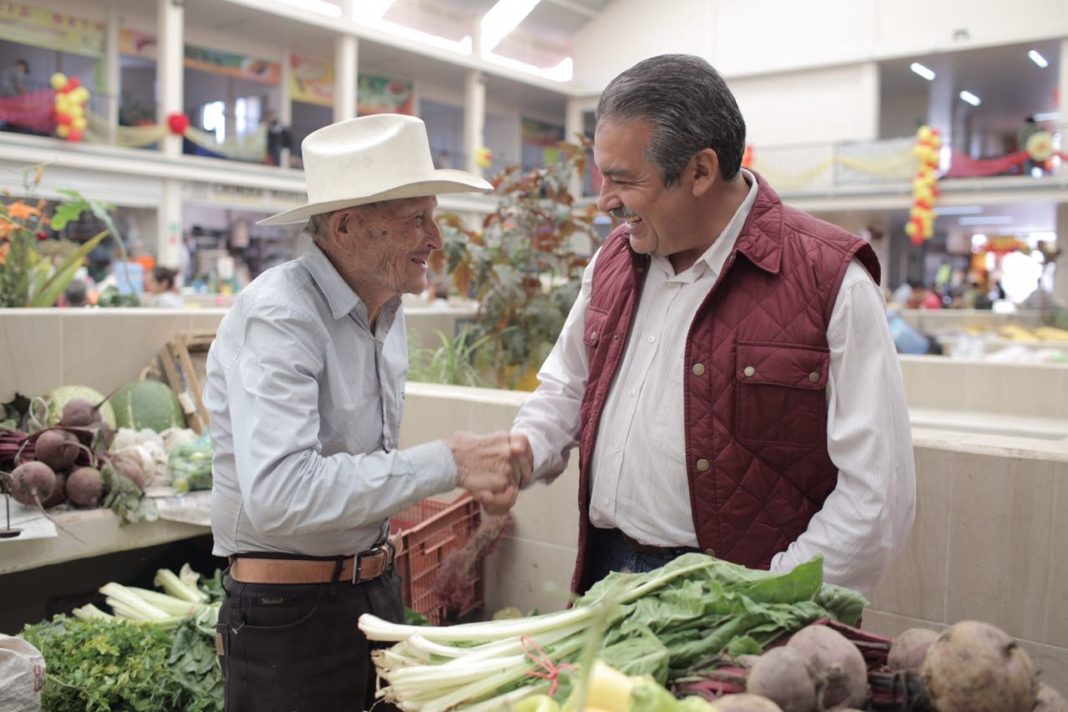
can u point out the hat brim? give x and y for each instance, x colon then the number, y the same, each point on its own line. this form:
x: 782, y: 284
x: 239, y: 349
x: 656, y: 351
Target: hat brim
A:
x: 444, y: 180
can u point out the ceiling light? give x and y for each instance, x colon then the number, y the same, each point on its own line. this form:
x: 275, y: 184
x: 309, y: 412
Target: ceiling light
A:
x: 501, y: 19
x: 1048, y: 116
x: 958, y: 210
x: 970, y: 98
x: 922, y: 71
x: 562, y: 72
x: 1038, y: 59
x: 320, y: 6
x: 986, y: 220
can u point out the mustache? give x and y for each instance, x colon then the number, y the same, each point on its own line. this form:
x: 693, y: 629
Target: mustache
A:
x: 621, y: 213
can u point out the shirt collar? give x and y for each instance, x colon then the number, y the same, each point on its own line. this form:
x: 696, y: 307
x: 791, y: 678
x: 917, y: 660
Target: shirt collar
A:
x: 716, y: 254
x: 340, y: 297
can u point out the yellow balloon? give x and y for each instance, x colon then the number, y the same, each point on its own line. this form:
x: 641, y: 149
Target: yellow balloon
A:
x: 924, y: 134
x: 910, y: 229
x: 78, y: 122
x: 81, y: 95
x: 58, y: 80
x: 62, y: 130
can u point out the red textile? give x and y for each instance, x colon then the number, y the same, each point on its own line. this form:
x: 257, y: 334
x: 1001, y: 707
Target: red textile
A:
x: 33, y: 110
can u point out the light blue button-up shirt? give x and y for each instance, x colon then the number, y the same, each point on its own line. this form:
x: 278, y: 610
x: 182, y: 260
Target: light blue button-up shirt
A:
x: 305, y: 404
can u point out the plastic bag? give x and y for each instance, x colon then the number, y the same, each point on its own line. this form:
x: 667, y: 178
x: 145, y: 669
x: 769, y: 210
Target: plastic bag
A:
x: 190, y: 465
x: 22, y: 675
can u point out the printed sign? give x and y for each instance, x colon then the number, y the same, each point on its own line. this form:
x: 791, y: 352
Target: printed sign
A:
x: 41, y: 27
x: 311, y: 80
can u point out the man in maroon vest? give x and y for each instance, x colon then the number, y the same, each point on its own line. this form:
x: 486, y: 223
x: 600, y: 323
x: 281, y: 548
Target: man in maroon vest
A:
x: 727, y: 371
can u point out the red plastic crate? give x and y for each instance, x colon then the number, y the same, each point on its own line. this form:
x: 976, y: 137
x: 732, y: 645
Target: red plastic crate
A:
x: 425, y: 534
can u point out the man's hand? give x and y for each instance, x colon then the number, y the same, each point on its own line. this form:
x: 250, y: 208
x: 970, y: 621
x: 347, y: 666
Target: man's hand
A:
x: 492, y: 467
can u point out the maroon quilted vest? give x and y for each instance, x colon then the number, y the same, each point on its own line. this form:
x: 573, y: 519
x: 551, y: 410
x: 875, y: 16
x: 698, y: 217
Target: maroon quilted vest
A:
x: 756, y: 369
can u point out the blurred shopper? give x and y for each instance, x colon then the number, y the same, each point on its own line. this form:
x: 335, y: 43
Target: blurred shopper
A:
x: 13, y: 79
x: 161, y: 288
x: 727, y: 371
x: 278, y: 137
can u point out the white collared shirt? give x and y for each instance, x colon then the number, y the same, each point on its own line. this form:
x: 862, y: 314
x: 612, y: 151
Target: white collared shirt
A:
x: 305, y: 403
x: 865, y: 521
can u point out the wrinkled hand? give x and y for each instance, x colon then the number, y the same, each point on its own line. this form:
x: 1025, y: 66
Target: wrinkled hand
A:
x: 492, y: 467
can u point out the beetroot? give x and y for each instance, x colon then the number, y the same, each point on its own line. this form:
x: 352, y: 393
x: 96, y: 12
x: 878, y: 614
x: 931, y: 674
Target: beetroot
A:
x: 80, y: 413
x: 835, y: 664
x: 976, y: 667
x: 910, y: 648
x: 57, y: 448
x: 32, y: 483
x: 85, y: 486
x: 782, y: 676
x: 59, y: 493
x: 746, y: 703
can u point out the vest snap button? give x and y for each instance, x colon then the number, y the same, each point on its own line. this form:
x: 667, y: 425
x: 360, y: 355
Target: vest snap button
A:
x: 749, y: 371
x: 702, y: 464
x: 593, y: 337
x: 814, y: 377
x: 698, y: 369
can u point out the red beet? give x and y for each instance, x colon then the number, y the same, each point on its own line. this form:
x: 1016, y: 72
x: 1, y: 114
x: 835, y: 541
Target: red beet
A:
x: 59, y: 493
x: 85, y: 486
x: 126, y: 465
x: 57, y: 448
x: 32, y: 483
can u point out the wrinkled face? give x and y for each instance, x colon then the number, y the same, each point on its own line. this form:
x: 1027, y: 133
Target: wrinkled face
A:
x: 633, y: 188
x: 384, y: 247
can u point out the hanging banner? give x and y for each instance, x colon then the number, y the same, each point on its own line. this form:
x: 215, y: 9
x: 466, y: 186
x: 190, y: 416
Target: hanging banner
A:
x: 380, y: 95
x: 39, y: 27
x: 144, y: 44
x: 311, y: 80
x: 540, y: 142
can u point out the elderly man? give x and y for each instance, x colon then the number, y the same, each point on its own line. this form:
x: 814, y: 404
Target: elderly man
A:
x: 726, y: 371
x: 305, y: 387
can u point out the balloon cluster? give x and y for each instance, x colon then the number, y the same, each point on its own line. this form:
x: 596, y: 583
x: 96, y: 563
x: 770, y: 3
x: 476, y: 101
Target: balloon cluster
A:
x: 749, y: 156
x: 483, y: 157
x: 69, y: 106
x: 925, y: 192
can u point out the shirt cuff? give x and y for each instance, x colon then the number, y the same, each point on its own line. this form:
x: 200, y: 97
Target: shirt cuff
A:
x: 434, y: 466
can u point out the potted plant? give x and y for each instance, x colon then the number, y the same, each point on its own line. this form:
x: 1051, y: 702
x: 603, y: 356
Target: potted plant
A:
x: 521, y: 265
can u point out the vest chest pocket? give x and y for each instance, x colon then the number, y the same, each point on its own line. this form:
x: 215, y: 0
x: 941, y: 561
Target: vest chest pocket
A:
x: 594, y: 334
x: 780, y: 393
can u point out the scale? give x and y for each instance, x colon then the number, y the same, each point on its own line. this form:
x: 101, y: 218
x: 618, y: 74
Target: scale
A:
x: 7, y: 532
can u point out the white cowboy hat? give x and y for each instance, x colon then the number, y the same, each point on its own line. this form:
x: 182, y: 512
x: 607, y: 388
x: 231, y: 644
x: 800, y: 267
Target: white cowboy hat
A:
x: 368, y: 159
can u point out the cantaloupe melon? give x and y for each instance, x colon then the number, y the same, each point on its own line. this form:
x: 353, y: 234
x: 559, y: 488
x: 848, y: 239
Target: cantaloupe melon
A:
x: 147, y: 404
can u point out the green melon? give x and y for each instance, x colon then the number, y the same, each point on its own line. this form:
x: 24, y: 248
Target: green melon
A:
x: 59, y: 397
x: 147, y: 404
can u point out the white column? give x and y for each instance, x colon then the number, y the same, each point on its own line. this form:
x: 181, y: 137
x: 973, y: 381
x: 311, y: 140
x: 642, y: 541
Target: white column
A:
x: 169, y: 224
x: 344, y: 77
x: 112, y: 75
x: 169, y: 71
x: 573, y: 131
x: 474, y: 117
x: 285, y: 103
x: 1060, y: 274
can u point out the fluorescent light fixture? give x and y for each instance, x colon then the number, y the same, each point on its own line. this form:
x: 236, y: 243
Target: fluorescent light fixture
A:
x: 562, y: 72
x: 1048, y: 116
x: 501, y: 19
x: 373, y: 9
x: 320, y: 6
x: 1038, y: 58
x: 958, y: 210
x: 462, y: 46
x: 970, y: 98
x: 986, y: 220
x: 922, y: 71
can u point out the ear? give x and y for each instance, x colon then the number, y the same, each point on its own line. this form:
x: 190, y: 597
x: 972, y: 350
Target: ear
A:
x: 341, y: 222
x: 705, y: 171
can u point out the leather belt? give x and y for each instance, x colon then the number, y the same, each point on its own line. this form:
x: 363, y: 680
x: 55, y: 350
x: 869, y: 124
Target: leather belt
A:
x: 365, y: 566
x: 664, y: 551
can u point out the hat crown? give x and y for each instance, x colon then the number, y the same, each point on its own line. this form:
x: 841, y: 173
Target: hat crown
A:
x: 378, y: 153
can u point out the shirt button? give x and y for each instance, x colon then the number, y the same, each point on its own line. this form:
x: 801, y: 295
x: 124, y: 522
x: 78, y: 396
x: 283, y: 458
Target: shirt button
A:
x: 615, y: 449
x: 652, y: 339
x: 749, y: 371
x: 698, y: 369
x: 632, y: 392
x: 813, y: 376
x: 702, y: 465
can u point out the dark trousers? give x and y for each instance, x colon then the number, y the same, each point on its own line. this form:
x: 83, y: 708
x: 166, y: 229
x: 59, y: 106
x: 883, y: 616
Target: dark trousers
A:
x: 611, y: 552
x: 296, y: 647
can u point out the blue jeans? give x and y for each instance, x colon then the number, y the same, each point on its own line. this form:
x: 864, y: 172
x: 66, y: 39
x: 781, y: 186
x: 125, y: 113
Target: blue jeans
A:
x: 611, y: 552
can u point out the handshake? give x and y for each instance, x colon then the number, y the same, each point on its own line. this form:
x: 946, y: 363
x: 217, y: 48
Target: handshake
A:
x: 492, y: 467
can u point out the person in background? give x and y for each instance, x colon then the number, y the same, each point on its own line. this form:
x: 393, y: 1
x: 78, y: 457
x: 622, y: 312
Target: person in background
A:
x: 727, y: 371
x: 278, y: 137
x: 161, y: 288
x: 305, y: 389
x: 76, y: 294
x: 13, y: 79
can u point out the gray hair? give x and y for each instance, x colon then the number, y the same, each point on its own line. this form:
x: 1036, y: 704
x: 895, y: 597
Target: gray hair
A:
x: 318, y: 228
x: 690, y: 108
